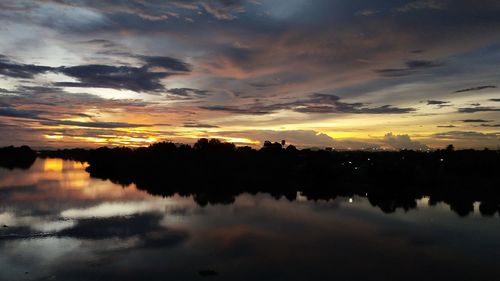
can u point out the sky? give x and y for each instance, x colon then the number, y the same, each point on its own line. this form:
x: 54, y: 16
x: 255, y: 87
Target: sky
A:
x: 347, y: 74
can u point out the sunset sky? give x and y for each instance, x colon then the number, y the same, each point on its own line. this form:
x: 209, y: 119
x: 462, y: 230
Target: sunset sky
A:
x: 348, y: 74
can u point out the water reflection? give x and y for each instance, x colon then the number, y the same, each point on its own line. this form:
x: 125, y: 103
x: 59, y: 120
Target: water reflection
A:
x: 57, y: 223
x: 52, y: 164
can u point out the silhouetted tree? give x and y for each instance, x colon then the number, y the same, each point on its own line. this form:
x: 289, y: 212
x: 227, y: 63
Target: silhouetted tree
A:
x: 17, y: 157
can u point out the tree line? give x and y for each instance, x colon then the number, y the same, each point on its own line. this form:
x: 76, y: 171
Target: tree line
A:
x: 216, y: 172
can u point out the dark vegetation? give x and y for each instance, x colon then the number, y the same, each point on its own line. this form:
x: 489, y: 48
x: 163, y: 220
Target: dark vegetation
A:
x: 214, y: 172
x: 17, y: 157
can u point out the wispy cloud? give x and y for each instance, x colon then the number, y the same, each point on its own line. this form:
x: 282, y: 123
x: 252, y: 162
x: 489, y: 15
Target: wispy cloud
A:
x: 476, y: 121
x: 316, y: 103
x: 478, y: 109
x: 412, y: 67
x: 473, y: 89
x: 422, y: 5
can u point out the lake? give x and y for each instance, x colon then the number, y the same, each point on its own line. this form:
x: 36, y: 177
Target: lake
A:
x: 58, y: 223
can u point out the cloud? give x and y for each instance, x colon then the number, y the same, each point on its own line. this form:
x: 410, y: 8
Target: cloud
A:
x: 495, y: 100
x: 102, y: 125
x: 412, y: 67
x: 223, y: 9
x: 316, y: 103
x: 475, y: 89
x: 154, y: 11
x: 140, y: 79
x: 115, y: 77
x: 20, y: 113
x: 58, y: 106
x: 198, y: 125
x: 35, y: 115
x: 475, y: 121
x: 367, y: 12
x: 437, y: 102
x: 490, y: 125
x: 253, y: 110
x: 446, y: 126
x: 403, y: 142
x: 478, y: 109
x: 167, y: 63
x: 422, y: 5
x: 101, y: 43
x: 56, y: 101
x: 16, y: 70
x: 186, y: 93
x: 467, y: 135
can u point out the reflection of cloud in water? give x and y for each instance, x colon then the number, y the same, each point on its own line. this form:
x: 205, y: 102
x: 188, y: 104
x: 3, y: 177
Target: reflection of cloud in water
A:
x: 37, y: 224
x: 113, y: 209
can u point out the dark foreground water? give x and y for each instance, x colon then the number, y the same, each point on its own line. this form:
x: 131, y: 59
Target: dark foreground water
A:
x: 57, y: 223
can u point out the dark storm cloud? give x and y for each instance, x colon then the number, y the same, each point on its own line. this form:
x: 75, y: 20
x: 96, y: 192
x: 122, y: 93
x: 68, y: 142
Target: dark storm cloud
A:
x: 316, y: 103
x: 140, y: 79
x: 412, y: 67
x: 496, y: 100
x: 478, y: 109
x: 476, y: 89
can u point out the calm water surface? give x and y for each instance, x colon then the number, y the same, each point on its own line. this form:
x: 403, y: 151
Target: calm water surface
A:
x: 57, y: 223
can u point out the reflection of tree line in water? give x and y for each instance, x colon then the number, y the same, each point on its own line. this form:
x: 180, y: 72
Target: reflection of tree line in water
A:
x: 215, y: 173
x: 17, y: 157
